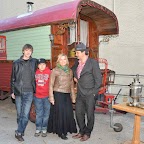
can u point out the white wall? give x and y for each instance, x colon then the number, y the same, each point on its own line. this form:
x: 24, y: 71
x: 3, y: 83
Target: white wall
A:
x: 125, y: 54
x: 9, y: 8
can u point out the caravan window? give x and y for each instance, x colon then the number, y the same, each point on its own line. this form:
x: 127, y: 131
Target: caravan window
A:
x: 3, y: 48
x: 72, y: 32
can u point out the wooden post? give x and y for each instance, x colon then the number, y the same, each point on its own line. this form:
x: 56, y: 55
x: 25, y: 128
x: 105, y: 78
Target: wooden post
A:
x: 136, y: 131
x: 138, y: 112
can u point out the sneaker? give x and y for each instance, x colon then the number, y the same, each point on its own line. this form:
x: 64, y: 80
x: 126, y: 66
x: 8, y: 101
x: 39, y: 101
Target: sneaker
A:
x: 17, y: 132
x: 19, y: 137
x: 44, y: 133
x: 37, y: 133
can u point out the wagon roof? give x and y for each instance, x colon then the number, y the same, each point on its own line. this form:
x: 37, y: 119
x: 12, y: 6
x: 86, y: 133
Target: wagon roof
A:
x: 105, y: 19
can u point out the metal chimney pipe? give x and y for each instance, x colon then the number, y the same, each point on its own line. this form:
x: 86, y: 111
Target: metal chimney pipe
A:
x: 29, y: 5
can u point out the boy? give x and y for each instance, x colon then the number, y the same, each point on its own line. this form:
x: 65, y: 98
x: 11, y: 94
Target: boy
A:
x: 23, y: 87
x: 41, y: 101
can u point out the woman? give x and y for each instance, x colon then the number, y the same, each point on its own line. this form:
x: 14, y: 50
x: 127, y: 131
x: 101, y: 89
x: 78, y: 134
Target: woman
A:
x: 61, y: 95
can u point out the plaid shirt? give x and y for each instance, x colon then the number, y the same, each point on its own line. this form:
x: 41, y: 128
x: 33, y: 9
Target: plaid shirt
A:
x: 80, y: 68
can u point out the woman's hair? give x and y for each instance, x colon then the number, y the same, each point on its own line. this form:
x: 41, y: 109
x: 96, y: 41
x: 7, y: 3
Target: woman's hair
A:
x: 59, y: 57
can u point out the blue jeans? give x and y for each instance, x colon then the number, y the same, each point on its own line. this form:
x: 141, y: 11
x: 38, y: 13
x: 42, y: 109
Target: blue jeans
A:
x: 23, y: 105
x: 42, y: 106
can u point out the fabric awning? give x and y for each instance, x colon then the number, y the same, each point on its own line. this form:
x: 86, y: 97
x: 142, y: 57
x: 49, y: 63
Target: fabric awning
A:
x: 105, y: 19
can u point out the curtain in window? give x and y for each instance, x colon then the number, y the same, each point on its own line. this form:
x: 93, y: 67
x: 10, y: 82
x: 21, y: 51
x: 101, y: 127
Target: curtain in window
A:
x: 72, y: 34
x: 83, y: 31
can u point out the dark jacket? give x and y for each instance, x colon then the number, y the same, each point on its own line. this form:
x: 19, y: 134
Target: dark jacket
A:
x: 90, y: 78
x: 16, y: 76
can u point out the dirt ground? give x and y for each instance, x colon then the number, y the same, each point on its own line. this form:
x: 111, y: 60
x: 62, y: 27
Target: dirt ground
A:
x: 102, y: 132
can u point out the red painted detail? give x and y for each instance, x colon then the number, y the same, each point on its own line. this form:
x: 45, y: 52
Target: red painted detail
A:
x: 5, y: 74
x: 108, y: 98
x: 105, y: 74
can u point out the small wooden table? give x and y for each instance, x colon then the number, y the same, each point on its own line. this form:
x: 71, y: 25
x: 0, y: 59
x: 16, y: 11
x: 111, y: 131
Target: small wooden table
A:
x: 138, y: 113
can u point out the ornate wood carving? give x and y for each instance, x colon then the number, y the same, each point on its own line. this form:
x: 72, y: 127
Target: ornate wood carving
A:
x: 61, y: 29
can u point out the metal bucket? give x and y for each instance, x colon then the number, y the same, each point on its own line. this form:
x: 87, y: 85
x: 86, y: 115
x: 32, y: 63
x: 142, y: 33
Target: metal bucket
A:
x: 136, y: 91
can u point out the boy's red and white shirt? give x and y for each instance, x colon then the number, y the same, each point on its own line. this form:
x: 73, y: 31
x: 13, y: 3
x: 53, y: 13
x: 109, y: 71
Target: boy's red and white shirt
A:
x: 42, y: 83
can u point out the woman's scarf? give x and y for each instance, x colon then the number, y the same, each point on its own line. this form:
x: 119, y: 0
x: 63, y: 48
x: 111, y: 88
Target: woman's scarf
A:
x: 65, y: 68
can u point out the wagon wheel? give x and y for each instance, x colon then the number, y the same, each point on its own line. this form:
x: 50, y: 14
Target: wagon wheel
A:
x: 119, y: 127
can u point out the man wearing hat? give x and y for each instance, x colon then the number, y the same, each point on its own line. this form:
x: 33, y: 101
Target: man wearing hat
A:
x: 87, y: 74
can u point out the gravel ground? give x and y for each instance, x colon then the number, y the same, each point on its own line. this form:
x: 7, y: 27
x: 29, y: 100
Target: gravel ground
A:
x: 102, y: 133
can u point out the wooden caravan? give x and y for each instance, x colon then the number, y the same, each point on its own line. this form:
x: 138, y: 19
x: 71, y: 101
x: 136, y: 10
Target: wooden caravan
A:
x: 68, y: 23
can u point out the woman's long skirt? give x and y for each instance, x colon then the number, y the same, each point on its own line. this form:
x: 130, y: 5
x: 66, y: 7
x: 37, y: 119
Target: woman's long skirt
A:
x: 61, y: 119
